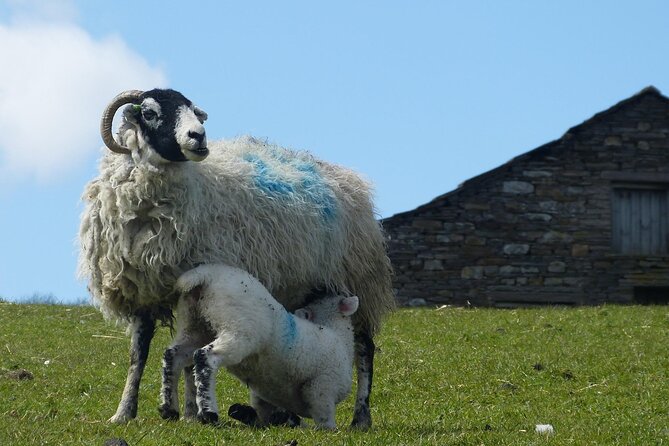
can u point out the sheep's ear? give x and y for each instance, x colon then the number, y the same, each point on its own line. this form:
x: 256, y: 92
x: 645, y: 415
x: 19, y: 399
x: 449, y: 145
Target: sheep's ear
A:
x: 131, y: 112
x: 348, y: 305
x: 304, y: 313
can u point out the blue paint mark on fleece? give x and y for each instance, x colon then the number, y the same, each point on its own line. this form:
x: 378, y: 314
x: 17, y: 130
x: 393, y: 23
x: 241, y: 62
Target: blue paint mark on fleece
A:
x: 266, y: 180
x: 289, y: 332
x: 309, y: 186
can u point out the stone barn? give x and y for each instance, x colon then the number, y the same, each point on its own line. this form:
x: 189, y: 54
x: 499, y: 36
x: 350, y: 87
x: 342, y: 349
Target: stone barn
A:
x: 582, y: 220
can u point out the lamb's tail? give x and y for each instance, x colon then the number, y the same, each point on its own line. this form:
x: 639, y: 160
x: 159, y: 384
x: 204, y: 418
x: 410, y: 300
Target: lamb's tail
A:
x: 200, y: 276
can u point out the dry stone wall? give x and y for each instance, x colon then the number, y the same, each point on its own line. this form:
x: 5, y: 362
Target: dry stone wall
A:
x: 537, y: 230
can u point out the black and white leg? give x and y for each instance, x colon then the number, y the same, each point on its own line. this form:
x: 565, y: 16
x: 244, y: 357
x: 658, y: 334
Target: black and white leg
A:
x: 175, y: 359
x: 190, y: 401
x: 142, y: 329
x: 205, y: 386
x: 364, y: 360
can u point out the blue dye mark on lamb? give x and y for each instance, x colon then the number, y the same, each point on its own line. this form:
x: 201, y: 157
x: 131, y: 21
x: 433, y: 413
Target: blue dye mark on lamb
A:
x: 309, y: 185
x: 289, y: 333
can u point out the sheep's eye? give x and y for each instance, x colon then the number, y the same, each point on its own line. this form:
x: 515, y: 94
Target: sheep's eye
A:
x: 149, y: 115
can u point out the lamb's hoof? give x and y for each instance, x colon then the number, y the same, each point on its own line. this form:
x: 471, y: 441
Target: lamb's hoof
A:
x: 243, y: 413
x: 167, y: 413
x: 284, y: 418
x: 206, y: 417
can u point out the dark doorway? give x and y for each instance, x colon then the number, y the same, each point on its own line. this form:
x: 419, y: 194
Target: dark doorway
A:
x: 651, y: 295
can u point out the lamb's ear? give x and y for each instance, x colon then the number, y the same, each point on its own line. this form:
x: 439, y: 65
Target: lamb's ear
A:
x: 348, y: 305
x: 304, y: 313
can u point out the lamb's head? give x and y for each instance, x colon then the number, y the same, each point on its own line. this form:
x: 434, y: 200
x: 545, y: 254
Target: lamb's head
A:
x: 324, y: 310
x: 158, y: 121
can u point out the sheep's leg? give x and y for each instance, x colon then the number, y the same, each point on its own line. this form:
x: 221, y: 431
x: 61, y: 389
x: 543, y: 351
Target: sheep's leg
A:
x: 175, y: 359
x: 364, y: 360
x: 190, y: 403
x: 142, y: 330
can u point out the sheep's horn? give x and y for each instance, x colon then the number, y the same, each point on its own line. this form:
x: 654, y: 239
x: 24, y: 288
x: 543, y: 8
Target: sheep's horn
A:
x: 108, y: 116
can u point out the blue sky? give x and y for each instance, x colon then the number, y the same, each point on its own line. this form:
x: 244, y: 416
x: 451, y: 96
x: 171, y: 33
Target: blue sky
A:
x: 417, y: 96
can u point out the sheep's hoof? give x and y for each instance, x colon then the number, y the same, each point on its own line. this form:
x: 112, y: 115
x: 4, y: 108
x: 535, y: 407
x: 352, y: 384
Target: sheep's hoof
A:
x: 120, y: 418
x: 362, y: 419
x: 206, y: 417
x: 167, y: 413
x: 245, y: 414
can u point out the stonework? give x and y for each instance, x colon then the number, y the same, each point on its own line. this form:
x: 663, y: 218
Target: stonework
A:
x: 538, y: 229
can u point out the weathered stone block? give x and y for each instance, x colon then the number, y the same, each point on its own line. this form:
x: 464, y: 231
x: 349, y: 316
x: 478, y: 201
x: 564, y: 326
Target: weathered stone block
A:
x: 529, y: 270
x: 537, y: 216
x: 579, y: 250
x: 553, y: 281
x: 517, y: 187
x: 556, y: 237
x: 433, y: 265
x: 549, y: 206
x: 507, y: 270
x: 613, y: 141
x: 476, y: 206
x: 537, y: 173
x: 428, y: 224
x: 516, y: 249
x: 472, y: 272
x: 557, y: 267
x: 473, y: 240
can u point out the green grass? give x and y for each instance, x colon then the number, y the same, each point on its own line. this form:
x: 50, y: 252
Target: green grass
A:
x: 447, y: 377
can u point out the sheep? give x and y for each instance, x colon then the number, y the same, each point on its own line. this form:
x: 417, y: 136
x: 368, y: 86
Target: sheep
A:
x: 302, y: 363
x: 166, y: 201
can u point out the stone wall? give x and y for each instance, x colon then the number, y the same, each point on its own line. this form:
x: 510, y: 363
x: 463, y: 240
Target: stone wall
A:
x: 537, y: 230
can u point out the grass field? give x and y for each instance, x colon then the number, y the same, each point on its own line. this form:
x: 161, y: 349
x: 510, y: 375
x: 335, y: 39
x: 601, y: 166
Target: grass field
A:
x: 448, y: 377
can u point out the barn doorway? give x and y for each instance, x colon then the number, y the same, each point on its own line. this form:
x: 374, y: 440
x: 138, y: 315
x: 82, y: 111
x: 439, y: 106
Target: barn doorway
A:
x: 651, y: 295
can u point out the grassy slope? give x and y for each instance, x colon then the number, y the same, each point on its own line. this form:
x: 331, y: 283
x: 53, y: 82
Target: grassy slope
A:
x: 452, y: 376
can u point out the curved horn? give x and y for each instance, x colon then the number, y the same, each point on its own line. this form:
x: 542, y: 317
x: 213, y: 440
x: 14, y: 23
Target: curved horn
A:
x: 108, y: 116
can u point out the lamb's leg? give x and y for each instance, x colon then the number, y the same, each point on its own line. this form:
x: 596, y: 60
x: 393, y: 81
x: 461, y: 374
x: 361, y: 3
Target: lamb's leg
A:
x: 263, y: 408
x: 142, y: 329
x: 225, y: 350
x: 364, y: 360
x: 205, y: 386
x: 321, y: 404
x: 175, y: 359
x: 190, y: 403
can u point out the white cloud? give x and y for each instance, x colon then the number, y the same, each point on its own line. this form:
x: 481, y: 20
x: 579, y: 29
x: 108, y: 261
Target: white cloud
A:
x: 54, y: 83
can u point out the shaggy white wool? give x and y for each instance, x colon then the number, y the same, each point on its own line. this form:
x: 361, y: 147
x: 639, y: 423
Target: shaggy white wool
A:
x: 294, y: 222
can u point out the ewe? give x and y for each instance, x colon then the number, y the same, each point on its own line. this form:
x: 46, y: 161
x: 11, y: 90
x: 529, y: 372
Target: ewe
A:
x: 302, y: 364
x: 166, y: 201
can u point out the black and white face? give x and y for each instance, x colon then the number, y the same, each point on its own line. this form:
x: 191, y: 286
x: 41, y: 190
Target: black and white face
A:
x: 170, y: 125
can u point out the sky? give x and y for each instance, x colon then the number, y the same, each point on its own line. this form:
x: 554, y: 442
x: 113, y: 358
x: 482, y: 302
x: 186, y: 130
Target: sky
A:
x: 417, y: 96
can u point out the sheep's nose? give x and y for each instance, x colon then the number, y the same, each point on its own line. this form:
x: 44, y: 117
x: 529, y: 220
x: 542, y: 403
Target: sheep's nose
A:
x: 199, y: 137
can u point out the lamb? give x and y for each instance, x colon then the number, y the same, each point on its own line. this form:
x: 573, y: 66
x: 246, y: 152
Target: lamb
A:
x: 285, y: 360
x: 166, y: 201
